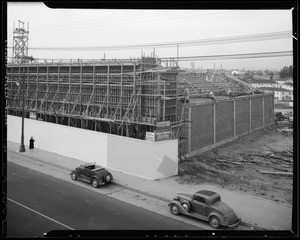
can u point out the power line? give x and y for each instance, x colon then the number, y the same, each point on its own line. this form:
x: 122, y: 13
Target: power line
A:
x: 210, y: 41
x: 208, y: 57
x: 236, y: 56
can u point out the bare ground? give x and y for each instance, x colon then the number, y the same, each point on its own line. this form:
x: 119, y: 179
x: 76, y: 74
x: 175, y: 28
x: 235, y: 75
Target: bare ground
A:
x: 236, y: 165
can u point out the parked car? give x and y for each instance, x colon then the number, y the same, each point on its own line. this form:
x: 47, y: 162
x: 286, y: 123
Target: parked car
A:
x: 92, y: 173
x: 205, y: 205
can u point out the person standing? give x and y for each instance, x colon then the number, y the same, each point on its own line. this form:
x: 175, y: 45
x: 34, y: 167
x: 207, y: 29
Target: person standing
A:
x: 31, y: 143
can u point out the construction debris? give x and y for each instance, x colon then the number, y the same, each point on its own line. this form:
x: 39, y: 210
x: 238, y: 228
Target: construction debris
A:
x: 259, y: 164
x: 278, y: 173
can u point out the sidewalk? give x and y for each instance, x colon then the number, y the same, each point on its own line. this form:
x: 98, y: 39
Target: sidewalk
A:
x: 253, y: 210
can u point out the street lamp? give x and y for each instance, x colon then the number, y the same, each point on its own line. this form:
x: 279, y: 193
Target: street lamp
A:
x: 22, y: 146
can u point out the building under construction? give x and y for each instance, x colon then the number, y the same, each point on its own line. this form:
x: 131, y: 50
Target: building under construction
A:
x: 125, y: 97
x: 135, y: 96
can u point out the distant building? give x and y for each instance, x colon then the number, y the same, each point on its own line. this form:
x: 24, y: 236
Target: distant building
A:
x: 279, y: 93
x: 264, y: 83
x: 288, y: 86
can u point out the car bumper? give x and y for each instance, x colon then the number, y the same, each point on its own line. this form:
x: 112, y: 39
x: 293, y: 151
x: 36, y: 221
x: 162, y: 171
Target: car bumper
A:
x: 235, y: 224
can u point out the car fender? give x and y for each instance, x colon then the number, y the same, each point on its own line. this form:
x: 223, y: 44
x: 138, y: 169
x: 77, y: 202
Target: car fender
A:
x: 180, y: 207
x: 220, y: 217
x: 95, y: 176
x: 73, y: 171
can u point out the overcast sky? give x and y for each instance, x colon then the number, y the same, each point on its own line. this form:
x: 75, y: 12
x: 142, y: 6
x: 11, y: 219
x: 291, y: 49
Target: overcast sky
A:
x: 84, y: 28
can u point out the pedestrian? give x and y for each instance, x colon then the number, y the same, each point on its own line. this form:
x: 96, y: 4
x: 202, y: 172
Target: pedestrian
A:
x: 31, y: 143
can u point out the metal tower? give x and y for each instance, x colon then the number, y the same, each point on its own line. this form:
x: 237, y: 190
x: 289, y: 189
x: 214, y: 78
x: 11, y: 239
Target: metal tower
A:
x: 20, y: 43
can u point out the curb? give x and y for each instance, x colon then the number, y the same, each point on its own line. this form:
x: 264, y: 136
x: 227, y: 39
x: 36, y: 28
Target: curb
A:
x: 142, y: 192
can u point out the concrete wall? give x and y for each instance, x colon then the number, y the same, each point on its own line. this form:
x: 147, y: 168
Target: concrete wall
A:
x: 224, y: 120
x: 268, y: 110
x: 256, y: 112
x: 152, y: 160
x: 202, y: 126
x: 242, y: 121
x: 214, y: 123
x: 137, y: 157
x: 77, y: 143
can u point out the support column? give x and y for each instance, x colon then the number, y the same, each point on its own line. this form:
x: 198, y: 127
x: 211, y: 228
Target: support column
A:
x: 47, y: 88
x: 164, y: 109
x: 69, y: 105
x: 121, y: 107
x: 37, y: 87
x: 58, y: 87
x: 250, y: 115
x: 214, y: 114
x: 263, y: 108
x: 107, y: 93
x: 27, y: 91
x: 190, y: 130
x: 134, y: 91
x: 94, y: 90
x: 80, y: 92
x: 234, y: 118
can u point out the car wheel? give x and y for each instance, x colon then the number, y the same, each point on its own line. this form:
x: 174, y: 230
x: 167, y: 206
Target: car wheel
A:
x: 174, y: 209
x: 186, y: 206
x: 214, y: 222
x: 95, y: 183
x: 74, y: 176
x: 107, y: 178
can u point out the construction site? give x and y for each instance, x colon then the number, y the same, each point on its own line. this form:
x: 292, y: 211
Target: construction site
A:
x: 143, y: 98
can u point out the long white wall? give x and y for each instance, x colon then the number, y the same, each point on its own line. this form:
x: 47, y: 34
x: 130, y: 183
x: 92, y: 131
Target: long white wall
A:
x: 151, y: 160
x: 137, y: 157
x: 72, y: 142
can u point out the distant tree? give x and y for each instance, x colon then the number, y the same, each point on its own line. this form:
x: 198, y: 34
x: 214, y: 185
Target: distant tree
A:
x: 291, y: 70
x: 271, y: 75
x: 260, y: 74
x: 286, y: 72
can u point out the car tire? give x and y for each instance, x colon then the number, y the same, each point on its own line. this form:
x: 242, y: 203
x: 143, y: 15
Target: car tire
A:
x: 74, y: 176
x: 186, y: 206
x: 107, y: 178
x: 174, y: 209
x: 214, y: 221
x: 95, y: 182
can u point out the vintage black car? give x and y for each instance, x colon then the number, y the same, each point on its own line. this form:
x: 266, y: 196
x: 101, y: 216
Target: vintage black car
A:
x: 92, y: 173
x: 205, y: 205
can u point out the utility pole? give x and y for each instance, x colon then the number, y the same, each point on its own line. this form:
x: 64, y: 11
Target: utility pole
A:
x: 20, y: 54
x: 177, y: 55
x: 22, y: 147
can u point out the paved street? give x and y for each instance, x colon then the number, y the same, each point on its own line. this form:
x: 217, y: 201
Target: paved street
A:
x: 150, y: 195
x: 38, y: 203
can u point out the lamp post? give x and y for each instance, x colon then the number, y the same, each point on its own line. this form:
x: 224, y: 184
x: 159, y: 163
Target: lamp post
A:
x: 22, y: 147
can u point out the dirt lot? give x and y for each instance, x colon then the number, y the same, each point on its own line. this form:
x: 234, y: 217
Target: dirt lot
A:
x: 236, y: 165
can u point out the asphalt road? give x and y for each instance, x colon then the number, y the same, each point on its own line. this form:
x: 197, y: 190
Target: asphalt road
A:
x: 38, y: 203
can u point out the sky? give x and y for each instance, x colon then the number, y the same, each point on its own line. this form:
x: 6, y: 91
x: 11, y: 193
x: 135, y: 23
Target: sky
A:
x: 91, y: 33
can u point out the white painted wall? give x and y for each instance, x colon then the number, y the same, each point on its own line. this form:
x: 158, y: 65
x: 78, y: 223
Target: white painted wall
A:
x: 77, y: 143
x: 150, y: 160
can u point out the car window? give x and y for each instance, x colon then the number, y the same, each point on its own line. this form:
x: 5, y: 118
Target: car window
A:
x: 217, y: 199
x: 199, y: 199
